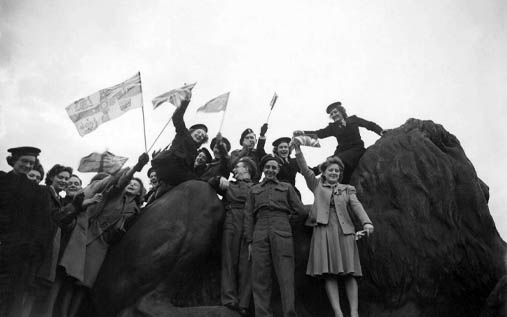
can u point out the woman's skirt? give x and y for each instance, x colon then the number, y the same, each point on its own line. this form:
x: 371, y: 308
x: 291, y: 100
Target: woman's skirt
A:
x: 332, y: 252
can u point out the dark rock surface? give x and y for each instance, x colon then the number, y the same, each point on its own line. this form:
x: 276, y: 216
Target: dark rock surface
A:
x: 435, y: 251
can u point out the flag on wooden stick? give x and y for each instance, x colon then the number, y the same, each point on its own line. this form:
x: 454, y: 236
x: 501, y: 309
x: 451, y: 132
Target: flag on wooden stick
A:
x: 174, y: 96
x: 273, y: 100
x: 216, y: 104
x: 101, y: 162
x: 107, y: 104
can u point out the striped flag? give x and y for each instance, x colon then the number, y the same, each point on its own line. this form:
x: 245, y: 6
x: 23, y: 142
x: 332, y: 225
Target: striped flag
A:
x: 174, y: 96
x: 216, y: 104
x: 106, y: 104
x: 273, y: 100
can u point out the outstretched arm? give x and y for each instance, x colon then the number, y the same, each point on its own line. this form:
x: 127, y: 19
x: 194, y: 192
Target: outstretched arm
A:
x: 178, y: 121
x: 308, y: 174
x: 370, y: 125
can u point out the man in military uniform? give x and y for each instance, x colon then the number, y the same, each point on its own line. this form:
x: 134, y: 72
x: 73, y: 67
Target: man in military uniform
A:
x: 269, y: 234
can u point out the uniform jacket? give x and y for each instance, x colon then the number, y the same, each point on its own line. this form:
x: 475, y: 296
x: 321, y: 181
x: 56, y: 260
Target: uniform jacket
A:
x: 348, y: 136
x: 345, y: 199
x: 270, y: 195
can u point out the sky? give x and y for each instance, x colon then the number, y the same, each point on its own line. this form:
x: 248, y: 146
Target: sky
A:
x: 387, y: 61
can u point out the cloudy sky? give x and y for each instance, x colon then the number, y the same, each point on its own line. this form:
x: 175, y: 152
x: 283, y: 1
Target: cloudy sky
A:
x: 387, y: 61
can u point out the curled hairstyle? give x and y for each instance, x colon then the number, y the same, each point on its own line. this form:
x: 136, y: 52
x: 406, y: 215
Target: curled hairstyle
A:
x: 55, y: 170
x: 342, y: 110
x: 330, y: 161
x: 205, y: 140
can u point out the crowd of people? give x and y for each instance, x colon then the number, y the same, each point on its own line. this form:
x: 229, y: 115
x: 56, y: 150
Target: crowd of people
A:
x: 52, y: 248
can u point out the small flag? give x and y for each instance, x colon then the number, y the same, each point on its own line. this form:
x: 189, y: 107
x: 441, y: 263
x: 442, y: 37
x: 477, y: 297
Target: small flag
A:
x: 216, y: 104
x: 175, y: 96
x: 273, y: 100
x: 101, y: 162
x: 308, y: 140
x: 106, y: 104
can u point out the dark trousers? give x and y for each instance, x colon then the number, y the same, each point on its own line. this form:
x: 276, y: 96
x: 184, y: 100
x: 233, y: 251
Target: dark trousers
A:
x: 236, y: 268
x: 272, y: 247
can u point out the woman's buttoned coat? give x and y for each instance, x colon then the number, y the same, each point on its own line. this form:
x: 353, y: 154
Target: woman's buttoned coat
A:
x: 344, y: 197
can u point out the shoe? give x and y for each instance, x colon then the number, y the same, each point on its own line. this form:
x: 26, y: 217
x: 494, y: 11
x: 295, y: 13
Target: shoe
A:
x: 243, y: 311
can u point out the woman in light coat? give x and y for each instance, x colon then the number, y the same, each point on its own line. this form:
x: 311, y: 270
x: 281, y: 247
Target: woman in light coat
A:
x: 333, y: 248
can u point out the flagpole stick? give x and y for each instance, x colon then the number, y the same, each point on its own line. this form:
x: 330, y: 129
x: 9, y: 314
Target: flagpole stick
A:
x: 269, y: 115
x: 144, y: 130
x: 170, y: 119
x: 222, y: 122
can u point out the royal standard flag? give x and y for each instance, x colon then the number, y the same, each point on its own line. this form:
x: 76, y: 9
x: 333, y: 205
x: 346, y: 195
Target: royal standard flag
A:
x: 216, y: 104
x: 106, y: 104
x: 174, y: 96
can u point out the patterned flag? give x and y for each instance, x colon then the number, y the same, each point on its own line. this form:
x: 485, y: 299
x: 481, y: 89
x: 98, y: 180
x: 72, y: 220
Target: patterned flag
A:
x: 106, y: 104
x: 216, y: 104
x: 273, y: 100
x: 308, y: 140
x: 101, y: 162
x: 174, y: 96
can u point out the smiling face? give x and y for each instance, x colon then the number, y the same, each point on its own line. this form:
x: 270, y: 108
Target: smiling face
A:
x: 271, y: 169
x: 198, y: 135
x: 249, y: 140
x: 240, y: 171
x: 34, y: 176
x: 73, y: 186
x: 332, y: 173
x: 133, y: 188
x: 200, y: 159
x: 153, y: 179
x: 336, y: 115
x: 24, y: 164
x: 60, y: 180
x: 282, y: 150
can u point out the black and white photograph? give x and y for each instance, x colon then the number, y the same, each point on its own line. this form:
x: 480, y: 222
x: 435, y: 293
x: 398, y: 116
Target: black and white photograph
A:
x: 264, y: 159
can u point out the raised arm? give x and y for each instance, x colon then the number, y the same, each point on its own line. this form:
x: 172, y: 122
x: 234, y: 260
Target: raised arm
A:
x: 178, y: 114
x: 129, y: 173
x: 308, y: 174
x: 321, y: 133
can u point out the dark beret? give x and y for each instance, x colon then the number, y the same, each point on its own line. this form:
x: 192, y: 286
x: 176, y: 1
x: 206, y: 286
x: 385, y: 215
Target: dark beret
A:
x: 24, y: 150
x: 199, y: 126
x: 270, y: 157
x: 281, y: 140
x: 244, y: 134
x: 333, y: 106
x: 227, y: 143
x: 206, y: 152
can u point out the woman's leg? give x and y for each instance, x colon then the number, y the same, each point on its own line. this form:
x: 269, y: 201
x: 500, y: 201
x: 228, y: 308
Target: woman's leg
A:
x: 351, y: 289
x: 333, y: 294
